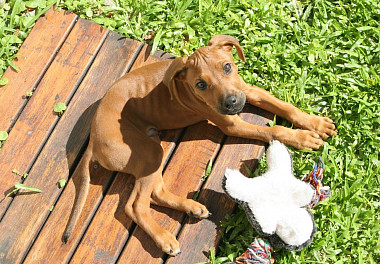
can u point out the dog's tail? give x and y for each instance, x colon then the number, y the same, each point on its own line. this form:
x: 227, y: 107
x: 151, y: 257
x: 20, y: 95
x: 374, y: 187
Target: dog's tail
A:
x: 81, y: 180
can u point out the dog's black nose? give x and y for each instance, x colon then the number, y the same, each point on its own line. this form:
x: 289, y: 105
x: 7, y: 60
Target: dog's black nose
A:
x: 230, y: 102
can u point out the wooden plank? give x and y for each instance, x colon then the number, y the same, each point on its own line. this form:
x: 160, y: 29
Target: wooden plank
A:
x: 196, y: 238
x: 145, y: 57
x: 34, y: 57
x: 115, y: 57
x: 27, y: 214
x: 108, y: 232
x: 183, y: 177
x: 37, y: 119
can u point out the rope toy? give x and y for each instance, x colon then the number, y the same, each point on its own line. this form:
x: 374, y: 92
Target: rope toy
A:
x: 259, y: 252
x: 315, y: 179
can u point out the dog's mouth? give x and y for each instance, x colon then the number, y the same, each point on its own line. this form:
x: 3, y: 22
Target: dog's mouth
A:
x: 233, y: 111
x: 232, y: 106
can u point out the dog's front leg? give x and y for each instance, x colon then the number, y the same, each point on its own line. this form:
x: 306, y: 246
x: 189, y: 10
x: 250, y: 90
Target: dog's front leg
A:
x: 261, y: 98
x: 301, y: 139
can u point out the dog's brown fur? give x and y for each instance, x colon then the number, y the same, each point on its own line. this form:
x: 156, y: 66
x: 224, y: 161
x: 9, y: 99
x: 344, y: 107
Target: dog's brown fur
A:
x: 167, y: 95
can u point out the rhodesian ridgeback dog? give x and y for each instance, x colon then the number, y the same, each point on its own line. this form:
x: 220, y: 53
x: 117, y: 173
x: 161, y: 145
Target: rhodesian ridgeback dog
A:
x: 173, y: 94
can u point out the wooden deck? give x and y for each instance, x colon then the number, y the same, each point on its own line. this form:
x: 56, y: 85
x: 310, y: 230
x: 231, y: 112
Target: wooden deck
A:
x: 71, y: 60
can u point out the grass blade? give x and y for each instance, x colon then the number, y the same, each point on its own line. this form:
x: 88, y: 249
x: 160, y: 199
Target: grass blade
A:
x: 21, y: 186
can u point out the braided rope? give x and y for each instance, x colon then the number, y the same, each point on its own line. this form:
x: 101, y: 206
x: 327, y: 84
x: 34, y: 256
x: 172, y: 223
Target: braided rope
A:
x: 259, y: 252
x: 315, y: 179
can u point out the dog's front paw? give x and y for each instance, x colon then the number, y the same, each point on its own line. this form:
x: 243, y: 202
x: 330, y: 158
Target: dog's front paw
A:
x: 305, y: 139
x: 168, y: 243
x: 323, y: 126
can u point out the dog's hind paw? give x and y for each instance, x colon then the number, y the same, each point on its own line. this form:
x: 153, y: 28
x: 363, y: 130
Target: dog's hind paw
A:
x: 168, y: 243
x: 196, y: 209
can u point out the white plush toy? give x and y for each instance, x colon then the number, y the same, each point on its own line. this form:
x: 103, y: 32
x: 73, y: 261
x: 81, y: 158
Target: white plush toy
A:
x: 276, y: 203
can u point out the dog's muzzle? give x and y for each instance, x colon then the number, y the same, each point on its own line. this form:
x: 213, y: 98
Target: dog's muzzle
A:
x: 232, y: 104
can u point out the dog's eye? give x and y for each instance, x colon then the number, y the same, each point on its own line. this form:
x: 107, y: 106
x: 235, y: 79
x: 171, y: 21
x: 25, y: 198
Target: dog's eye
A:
x: 227, y: 68
x: 201, y: 85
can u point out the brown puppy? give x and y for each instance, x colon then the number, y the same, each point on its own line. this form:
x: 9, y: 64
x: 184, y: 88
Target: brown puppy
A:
x: 173, y: 94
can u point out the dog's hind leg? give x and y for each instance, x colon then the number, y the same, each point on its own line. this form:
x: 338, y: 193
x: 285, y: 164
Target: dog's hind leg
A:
x: 81, y: 180
x: 138, y: 209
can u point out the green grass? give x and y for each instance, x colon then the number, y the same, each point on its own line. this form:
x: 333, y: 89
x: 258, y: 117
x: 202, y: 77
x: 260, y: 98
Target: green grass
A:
x: 322, y: 56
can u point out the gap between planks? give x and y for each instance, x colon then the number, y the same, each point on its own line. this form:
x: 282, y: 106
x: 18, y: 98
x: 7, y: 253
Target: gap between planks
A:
x: 29, y: 54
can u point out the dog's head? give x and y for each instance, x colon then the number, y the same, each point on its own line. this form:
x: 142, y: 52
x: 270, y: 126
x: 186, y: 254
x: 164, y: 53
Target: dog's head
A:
x: 212, y: 75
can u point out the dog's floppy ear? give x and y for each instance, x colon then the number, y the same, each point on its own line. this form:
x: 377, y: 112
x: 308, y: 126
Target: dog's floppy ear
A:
x: 227, y: 42
x: 176, y: 71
